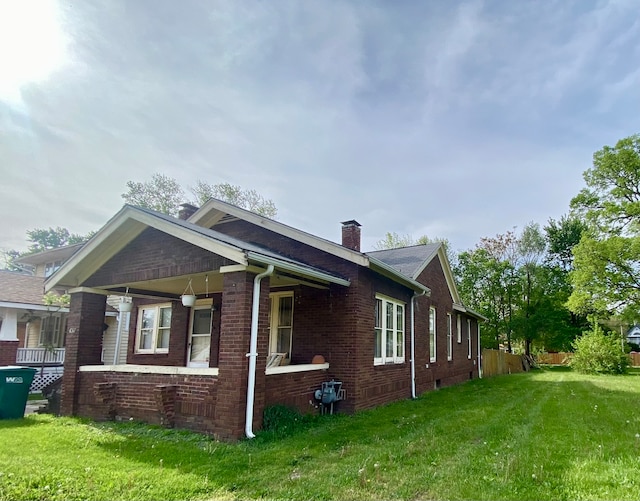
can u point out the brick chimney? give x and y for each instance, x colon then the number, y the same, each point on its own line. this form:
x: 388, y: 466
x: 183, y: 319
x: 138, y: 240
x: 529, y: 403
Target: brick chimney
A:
x: 351, y: 235
x: 186, y: 211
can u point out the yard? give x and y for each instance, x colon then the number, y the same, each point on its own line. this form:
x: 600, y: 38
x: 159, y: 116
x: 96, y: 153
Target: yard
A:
x: 547, y: 434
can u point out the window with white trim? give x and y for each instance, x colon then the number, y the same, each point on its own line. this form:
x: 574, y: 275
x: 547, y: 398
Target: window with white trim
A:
x: 449, y: 337
x: 52, y: 331
x: 51, y: 268
x: 432, y: 334
x: 153, y: 329
x: 469, y: 338
x: 281, y: 323
x: 459, y: 328
x: 389, y: 331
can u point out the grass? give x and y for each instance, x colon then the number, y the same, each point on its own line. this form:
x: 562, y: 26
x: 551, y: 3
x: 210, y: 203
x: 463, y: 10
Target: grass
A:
x: 549, y: 434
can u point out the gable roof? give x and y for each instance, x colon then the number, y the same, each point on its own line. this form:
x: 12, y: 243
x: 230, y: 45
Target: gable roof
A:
x: 412, y: 261
x: 130, y: 221
x: 51, y: 255
x: 218, y: 212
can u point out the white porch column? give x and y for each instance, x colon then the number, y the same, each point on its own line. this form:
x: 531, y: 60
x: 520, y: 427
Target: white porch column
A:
x: 9, y: 328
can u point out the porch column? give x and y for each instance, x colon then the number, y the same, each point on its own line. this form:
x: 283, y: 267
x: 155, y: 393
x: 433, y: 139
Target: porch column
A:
x: 233, y: 363
x: 83, y: 343
x: 9, y: 337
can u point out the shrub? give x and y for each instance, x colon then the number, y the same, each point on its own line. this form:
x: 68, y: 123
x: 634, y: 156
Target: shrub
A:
x: 596, y: 352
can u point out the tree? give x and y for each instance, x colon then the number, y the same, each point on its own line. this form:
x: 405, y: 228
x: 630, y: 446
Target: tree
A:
x: 41, y: 240
x: 611, y: 200
x: 164, y: 194
x: 597, y: 352
x: 562, y: 237
x: 606, y: 274
x: 233, y: 194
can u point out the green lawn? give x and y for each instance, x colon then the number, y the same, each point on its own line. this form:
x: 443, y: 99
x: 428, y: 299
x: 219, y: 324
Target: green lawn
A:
x: 548, y: 434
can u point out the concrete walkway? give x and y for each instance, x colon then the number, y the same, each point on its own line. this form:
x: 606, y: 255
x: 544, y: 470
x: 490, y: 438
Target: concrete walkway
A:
x: 33, y: 406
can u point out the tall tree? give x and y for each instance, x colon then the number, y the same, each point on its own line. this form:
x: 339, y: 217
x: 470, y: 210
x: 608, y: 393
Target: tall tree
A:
x: 562, y: 236
x: 606, y: 275
x: 164, y: 194
x: 233, y: 194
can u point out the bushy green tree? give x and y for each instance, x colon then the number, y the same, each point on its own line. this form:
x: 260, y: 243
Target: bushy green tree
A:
x: 606, y: 275
x: 164, y: 194
x: 598, y: 352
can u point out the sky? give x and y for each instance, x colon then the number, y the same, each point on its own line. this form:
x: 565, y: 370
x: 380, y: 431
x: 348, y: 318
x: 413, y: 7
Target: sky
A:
x: 451, y: 119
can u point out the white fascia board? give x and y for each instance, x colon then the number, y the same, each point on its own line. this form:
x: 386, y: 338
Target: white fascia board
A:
x: 446, y: 268
x: 34, y: 307
x: 201, y: 216
x: 300, y: 270
x: 389, y: 272
x: 64, y: 275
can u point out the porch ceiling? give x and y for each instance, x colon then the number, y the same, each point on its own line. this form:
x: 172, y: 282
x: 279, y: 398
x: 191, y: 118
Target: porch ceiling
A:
x: 174, y: 287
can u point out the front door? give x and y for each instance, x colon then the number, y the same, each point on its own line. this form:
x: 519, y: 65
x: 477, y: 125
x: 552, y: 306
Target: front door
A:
x: 200, y: 337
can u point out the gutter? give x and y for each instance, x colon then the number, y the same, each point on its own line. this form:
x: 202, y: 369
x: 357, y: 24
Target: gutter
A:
x: 253, y: 351
x: 296, y: 268
x: 413, y: 342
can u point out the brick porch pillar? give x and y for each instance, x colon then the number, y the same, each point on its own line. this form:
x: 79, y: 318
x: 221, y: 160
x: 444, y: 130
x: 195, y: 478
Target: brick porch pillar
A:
x: 9, y: 337
x: 233, y: 363
x: 83, y: 343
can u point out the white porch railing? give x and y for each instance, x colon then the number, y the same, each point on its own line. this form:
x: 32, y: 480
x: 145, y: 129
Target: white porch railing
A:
x: 35, y: 356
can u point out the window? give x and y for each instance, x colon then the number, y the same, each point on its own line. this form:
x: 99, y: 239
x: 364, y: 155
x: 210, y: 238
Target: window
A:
x: 154, y: 329
x: 469, y: 338
x: 389, y: 331
x: 281, y: 323
x: 459, y: 327
x: 449, y: 337
x: 52, y: 331
x: 432, y: 334
x: 51, y: 268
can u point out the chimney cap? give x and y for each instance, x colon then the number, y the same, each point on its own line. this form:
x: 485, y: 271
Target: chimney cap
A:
x: 351, y: 222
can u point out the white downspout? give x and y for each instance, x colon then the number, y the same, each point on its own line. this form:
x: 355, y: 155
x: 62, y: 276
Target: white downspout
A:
x: 479, y: 351
x: 253, y: 351
x: 413, y: 343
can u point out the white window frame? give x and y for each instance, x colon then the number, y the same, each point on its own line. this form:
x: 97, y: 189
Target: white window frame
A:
x: 469, y: 338
x: 389, y: 351
x: 433, y: 354
x: 274, y: 321
x: 155, y: 329
x: 449, y: 337
x: 51, y: 268
x: 57, y: 336
x: 459, y: 327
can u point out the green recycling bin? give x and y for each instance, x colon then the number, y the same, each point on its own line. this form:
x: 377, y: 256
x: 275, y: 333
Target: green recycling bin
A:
x: 14, y: 390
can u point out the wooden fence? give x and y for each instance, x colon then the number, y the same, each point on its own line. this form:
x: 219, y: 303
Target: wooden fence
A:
x: 563, y: 358
x: 496, y: 362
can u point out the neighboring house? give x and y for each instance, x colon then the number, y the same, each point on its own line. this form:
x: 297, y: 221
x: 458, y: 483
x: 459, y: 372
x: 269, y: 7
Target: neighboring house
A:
x: 633, y: 335
x: 32, y: 334
x: 279, y: 314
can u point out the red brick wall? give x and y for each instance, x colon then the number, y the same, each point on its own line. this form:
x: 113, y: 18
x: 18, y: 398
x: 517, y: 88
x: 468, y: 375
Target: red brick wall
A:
x: 237, y: 300
x: 442, y: 372
x: 154, y: 255
x: 83, y: 343
x: 135, y: 397
x: 295, y: 389
x: 8, y: 352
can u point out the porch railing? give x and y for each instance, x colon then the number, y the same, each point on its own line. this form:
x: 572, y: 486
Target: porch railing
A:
x: 36, y: 356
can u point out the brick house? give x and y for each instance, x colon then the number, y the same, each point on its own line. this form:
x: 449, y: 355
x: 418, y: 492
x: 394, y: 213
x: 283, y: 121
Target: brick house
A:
x: 278, y: 312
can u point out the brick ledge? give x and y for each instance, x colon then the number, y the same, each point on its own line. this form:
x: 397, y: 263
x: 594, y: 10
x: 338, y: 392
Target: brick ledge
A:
x: 151, y: 369
x: 285, y: 369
